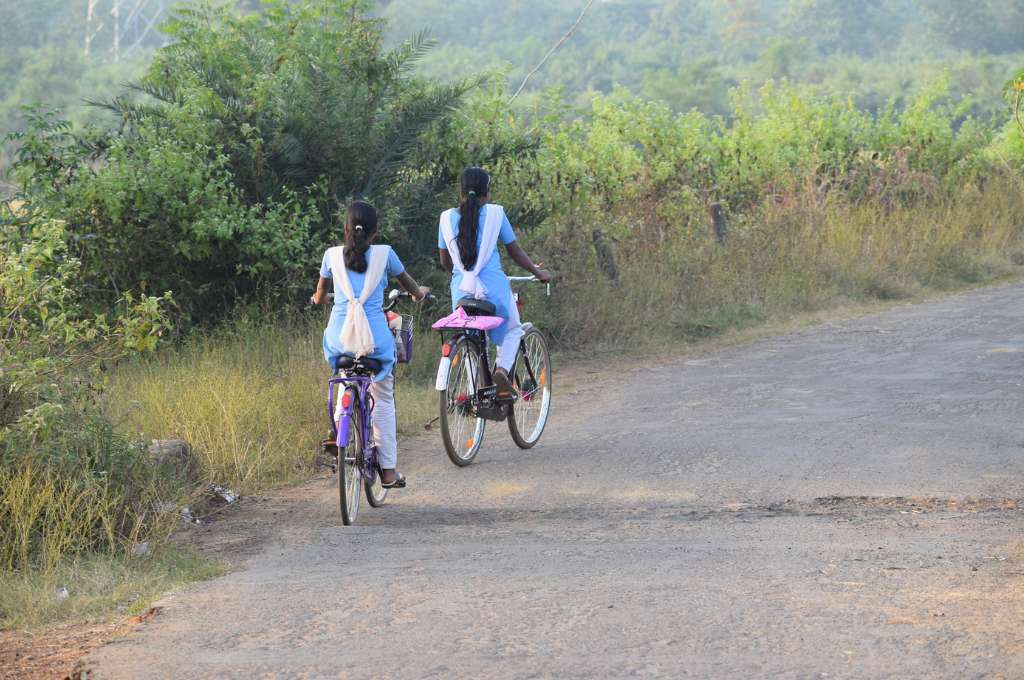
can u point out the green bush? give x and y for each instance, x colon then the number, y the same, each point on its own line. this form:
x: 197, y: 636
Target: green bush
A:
x: 253, y: 132
x: 825, y: 202
x: 68, y: 483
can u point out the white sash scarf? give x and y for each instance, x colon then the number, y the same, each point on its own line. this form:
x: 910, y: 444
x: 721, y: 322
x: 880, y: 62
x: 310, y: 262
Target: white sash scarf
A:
x: 356, y: 334
x: 471, y: 284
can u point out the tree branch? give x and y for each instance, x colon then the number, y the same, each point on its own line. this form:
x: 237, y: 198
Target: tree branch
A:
x: 561, y: 41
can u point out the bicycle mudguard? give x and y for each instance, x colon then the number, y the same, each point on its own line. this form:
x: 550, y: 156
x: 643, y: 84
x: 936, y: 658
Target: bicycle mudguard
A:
x: 345, y: 421
x: 441, y: 381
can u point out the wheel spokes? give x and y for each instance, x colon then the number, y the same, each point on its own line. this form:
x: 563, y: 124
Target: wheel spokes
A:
x: 463, y: 425
x: 532, y: 383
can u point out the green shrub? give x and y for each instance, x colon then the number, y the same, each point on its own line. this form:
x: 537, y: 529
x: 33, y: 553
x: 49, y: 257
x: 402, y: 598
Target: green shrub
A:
x: 68, y: 483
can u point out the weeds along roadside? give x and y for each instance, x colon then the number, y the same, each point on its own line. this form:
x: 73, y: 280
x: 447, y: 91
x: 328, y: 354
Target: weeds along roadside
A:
x: 79, y: 502
x: 799, y: 253
x: 250, y: 398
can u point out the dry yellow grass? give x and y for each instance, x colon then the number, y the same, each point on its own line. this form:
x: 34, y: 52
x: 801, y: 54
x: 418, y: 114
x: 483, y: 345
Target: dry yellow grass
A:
x: 250, y: 399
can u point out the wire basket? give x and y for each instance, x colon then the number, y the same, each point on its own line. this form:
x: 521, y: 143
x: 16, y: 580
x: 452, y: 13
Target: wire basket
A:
x: 403, y: 340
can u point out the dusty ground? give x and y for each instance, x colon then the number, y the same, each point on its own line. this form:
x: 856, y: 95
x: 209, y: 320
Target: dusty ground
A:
x: 844, y: 501
x: 50, y: 654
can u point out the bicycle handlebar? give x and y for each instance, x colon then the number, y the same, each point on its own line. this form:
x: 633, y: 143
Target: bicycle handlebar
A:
x: 395, y: 295
x: 529, y: 279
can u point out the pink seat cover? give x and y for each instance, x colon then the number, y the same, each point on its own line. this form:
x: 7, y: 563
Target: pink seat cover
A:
x: 460, y: 320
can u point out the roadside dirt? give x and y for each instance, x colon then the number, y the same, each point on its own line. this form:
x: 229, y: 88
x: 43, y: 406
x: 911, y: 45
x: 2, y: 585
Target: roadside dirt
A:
x: 53, y: 653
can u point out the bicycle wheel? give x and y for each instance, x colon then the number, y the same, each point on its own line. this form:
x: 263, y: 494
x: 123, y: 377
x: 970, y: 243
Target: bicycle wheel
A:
x: 376, y: 494
x: 461, y: 431
x: 349, y: 463
x: 532, y: 381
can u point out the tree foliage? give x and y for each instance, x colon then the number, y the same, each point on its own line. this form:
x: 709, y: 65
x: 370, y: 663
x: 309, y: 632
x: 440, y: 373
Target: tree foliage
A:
x: 251, y: 134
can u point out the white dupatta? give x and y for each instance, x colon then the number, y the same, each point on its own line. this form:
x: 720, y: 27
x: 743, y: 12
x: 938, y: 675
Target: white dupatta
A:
x: 356, y: 334
x: 471, y: 284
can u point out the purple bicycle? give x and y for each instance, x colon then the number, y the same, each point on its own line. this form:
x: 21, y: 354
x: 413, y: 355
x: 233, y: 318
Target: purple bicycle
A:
x: 468, y: 397
x: 351, y: 448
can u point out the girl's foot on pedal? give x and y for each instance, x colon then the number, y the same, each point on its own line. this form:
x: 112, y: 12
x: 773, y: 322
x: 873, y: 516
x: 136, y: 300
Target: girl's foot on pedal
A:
x: 502, y: 385
x: 391, y: 479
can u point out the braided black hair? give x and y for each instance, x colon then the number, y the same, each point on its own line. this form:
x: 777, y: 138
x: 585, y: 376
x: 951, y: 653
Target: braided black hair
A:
x: 475, y: 186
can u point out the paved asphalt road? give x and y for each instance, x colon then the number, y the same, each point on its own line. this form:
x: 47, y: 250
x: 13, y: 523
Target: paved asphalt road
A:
x: 846, y: 501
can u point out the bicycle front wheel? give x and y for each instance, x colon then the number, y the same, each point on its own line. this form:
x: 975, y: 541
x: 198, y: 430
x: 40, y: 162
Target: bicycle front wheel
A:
x: 461, y: 430
x: 349, y: 463
x: 532, y: 382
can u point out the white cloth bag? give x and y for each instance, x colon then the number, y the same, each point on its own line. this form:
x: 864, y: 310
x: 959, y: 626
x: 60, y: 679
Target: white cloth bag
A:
x: 471, y: 284
x: 356, y: 334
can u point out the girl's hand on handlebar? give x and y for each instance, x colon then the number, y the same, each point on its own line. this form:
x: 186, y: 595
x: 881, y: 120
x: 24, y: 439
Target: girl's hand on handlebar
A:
x: 424, y: 292
x: 543, y: 275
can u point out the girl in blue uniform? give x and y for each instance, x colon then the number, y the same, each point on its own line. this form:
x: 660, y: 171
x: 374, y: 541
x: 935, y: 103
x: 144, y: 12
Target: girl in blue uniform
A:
x: 364, y: 332
x: 468, y: 238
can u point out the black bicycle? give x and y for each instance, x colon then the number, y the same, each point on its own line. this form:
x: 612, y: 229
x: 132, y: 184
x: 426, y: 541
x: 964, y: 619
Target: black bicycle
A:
x: 468, y: 397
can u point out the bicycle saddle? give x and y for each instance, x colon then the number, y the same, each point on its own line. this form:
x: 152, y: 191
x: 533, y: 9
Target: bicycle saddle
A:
x: 476, y: 307
x: 348, y: 363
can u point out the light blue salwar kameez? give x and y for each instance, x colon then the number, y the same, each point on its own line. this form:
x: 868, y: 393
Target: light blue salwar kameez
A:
x: 385, y: 424
x: 383, y: 340
x: 499, y: 291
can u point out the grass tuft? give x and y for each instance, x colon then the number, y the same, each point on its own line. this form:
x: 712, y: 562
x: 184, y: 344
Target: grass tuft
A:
x: 98, y: 587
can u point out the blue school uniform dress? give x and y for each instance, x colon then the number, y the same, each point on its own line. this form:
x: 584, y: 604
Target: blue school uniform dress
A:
x: 499, y: 291
x: 383, y: 340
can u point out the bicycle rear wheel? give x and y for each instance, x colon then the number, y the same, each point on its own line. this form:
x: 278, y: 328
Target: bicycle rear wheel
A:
x: 376, y: 494
x: 532, y: 382
x: 349, y: 463
x: 461, y: 430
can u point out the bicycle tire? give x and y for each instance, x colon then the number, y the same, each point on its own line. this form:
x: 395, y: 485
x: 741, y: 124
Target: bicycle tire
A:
x: 376, y: 494
x: 349, y: 474
x: 462, y: 435
x: 533, y: 349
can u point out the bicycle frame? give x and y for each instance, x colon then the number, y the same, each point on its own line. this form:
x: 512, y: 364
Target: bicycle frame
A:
x: 342, y: 431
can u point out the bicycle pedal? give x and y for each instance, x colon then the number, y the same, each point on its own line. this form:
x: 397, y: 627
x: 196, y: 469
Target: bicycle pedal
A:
x: 327, y: 461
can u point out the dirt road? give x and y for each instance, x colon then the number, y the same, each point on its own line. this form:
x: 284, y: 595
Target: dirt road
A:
x: 845, y: 501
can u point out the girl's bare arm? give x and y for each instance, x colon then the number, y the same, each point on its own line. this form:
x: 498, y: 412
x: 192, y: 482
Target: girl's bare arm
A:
x: 320, y: 296
x: 446, y: 260
x: 417, y: 291
x: 519, y: 256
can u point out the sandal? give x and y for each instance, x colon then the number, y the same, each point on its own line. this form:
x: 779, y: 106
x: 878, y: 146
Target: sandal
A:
x: 503, y: 386
x: 398, y: 483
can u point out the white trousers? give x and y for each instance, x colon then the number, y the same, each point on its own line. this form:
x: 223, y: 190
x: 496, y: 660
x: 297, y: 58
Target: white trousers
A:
x: 510, y: 343
x: 385, y: 424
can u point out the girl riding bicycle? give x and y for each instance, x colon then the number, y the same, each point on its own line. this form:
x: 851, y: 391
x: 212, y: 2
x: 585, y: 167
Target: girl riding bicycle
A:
x: 358, y: 325
x: 467, y: 240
